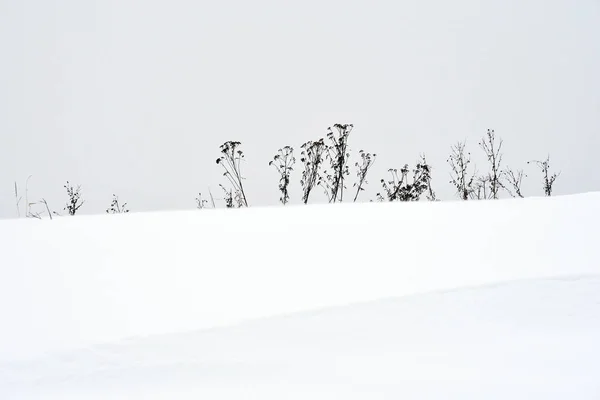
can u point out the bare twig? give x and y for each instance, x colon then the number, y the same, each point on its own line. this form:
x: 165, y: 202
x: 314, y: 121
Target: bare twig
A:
x: 43, y: 201
x: 481, y: 188
x: 17, y: 200
x: 27, y: 204
x: 212, y: 199
x: 514, y: 179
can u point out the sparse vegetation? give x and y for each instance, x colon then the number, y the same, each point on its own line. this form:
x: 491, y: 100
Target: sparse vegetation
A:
x: 116, y: 207
x: 548, y: 177
x: 29, y: 210
x: 404, y: 184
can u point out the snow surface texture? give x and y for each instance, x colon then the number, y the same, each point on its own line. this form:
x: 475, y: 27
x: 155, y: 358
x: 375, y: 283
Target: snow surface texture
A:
x: 457, y: 300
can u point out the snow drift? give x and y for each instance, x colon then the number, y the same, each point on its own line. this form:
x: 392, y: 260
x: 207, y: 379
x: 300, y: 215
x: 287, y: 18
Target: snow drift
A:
x: 155, y: 304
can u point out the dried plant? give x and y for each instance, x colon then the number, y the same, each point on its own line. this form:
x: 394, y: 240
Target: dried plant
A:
x: 338, y: 154
x: 366, y: 162
x: 548, y: 178
x: 18, y: 200
x: 231, y: 161
x: 461, y: 178
x: 200, y: 202
x: 514, y: 180
x: 480, y: 191
x: 45, y: 203
x: 431, y: 196
x: 493, y: 152
x: 400, y: 189
x: 75, y: 201
x: 228, y: 197
x: 117, y: 208
x: 212, y: 199
x: 284, y: 162
x: 312, y: 159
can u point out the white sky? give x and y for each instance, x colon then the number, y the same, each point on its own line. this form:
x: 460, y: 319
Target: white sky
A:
x: 134, y: 97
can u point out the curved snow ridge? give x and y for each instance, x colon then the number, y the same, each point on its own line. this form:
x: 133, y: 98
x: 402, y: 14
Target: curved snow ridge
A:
x: 398, y: 299
x: 521, y: 337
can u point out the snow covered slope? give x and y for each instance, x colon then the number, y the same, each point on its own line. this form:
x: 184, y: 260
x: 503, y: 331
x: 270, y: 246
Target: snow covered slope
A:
x: 160, y: 305
x: 535, y: 339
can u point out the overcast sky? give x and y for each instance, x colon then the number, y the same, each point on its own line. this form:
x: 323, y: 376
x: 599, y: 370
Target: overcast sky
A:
x: 135, y: 97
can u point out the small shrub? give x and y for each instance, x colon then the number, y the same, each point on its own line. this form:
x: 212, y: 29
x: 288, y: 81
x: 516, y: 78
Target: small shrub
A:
x: 75, y: 201
x: 400, y: 189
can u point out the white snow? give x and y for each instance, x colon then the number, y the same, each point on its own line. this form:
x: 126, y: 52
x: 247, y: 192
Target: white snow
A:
x: 448, y: 300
